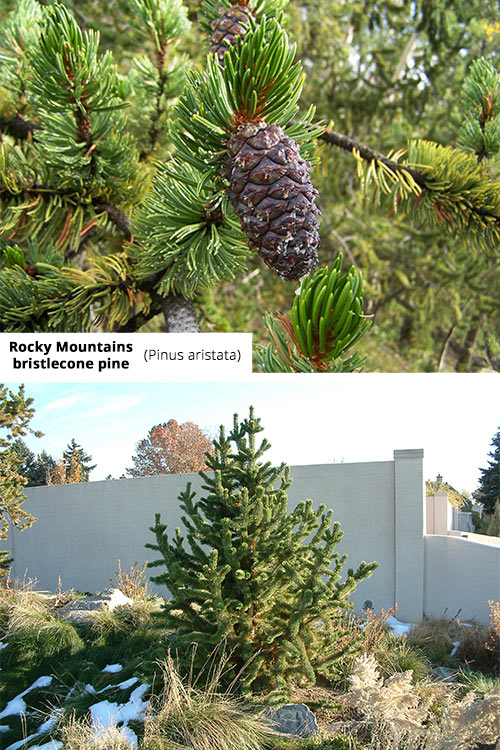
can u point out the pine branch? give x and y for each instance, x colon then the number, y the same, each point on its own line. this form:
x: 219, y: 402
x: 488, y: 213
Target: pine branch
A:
x: 18, y: 127
x: 140, y: 319
x: 154, y: 129
x: 367, y: 153
x: 116, y: 217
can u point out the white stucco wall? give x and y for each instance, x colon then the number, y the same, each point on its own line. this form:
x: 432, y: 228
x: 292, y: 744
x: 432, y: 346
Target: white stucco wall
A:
x: 82, y: 530
x: 461, y: 575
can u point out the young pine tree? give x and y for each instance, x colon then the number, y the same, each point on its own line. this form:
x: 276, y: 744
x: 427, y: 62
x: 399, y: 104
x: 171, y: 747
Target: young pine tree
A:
x: 252, y: 575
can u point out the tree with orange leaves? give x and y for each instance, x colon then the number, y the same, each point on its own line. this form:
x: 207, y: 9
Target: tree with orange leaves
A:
x: 171, y: 448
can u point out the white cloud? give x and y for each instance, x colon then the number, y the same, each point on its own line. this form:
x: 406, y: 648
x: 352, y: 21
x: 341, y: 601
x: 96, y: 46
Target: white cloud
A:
x: 122, y: 404
x: 62, y: 403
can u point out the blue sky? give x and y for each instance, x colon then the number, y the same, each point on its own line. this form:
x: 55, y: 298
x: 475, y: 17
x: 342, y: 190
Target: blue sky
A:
x: 308, y: 419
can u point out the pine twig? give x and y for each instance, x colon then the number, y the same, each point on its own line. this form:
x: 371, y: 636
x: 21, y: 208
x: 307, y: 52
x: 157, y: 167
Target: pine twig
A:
x: 140, y: 319
x: 18, y: 127
x: 349, y: 144
x: 116, y: 217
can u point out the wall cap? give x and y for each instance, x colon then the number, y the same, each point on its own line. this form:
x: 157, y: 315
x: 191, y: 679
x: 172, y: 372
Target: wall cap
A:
x: 411, y: 453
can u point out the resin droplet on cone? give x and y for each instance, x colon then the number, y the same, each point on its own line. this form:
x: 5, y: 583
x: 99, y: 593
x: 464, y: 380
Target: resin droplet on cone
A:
x: 272, y: 194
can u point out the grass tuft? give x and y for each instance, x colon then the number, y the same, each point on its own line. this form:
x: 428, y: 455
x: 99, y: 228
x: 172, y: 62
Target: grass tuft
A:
x: 115, y: 625
x: 203, y: 719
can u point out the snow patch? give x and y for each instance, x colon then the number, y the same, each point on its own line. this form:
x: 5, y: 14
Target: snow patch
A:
x: 118, y: 599
x: 398, y: 628
x: 45, y: 727
x: 4, y: 728
x: 3, y: 645
x: 112, y: 668
x: 14, y: 706
x: 107, y: 713
x: 126, y: 683
x: 17, y: 705
x: 52, y: 745
x: 130, y: 736
x: 90, y: 689
x: 456, y: 644
x: 104, y: 714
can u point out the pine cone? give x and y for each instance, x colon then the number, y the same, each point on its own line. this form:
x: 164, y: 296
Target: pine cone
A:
x: 231, y: 24
x: 272, y: 194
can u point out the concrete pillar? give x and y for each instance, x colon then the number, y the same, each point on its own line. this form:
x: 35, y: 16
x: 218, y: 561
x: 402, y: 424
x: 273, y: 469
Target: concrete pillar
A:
x: 439, y: 514
x: 409, y: 528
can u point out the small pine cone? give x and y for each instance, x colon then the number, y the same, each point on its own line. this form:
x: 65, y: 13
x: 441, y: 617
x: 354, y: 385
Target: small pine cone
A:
x: 231, y: 24
x: 272, y: 194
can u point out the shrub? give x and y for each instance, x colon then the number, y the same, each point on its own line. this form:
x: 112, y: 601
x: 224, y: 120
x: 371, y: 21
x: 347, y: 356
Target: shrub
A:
x: 403, y: 716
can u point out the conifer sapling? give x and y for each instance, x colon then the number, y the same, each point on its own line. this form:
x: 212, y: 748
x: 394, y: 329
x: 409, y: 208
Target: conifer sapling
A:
x: 263, y: 581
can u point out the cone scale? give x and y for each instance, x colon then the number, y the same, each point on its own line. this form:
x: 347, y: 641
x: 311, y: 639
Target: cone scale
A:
x: 272, y: 194
x: 231, y: 24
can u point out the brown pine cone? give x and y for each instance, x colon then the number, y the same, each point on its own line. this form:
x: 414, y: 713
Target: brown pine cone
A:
x: 272, y: 194
x: 231, y: 24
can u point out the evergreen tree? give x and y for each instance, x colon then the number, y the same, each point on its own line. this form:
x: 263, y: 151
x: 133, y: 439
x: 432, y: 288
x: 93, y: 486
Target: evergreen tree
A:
x: 488, y: 491
x: 494, y: 524
x: 260, y: 579
x: 26, y: 458
x: 16, y: 412
x: 67, y: 471
x: 34, y: 468
x: 77, y: 461
x: 112, y: 216
x: 43, y: 465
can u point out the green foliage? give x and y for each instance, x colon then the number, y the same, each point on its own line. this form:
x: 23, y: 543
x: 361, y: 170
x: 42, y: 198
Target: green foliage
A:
x: 480, y: 683
x: 480, y: 523
x: 457, y: 196
x: 326, y: 321
x: 494, y: 524
x: 480, y: 130
x: 36, y: 639
x: 16, y: 412
x: 161, y: 20
x: 397, y: 655
x: 260, y: 80
x: 263, y: 581
x: 19, y: 34
x: 186, y: 234
x: 75, y: 451
x: 389, y: 73
x: 114, y: 626
x: 76, y: 94
x: 488, y: 491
